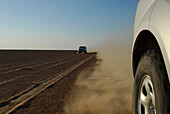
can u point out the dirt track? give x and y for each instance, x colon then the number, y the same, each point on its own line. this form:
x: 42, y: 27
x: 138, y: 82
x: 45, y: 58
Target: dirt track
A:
x: 102, y: 86
x: 54, y: 98
x: 21, y: 70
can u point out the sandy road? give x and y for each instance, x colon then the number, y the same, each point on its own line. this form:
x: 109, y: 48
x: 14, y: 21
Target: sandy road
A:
x: 102, y: 87
x: 13, y: 73
x: 17, y: 85
x: 53, y: 99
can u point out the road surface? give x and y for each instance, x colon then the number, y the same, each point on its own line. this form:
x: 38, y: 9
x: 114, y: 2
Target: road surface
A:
x: 38, y: 81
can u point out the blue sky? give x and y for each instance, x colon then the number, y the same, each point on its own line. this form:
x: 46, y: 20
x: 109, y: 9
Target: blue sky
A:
x: 65, y: 24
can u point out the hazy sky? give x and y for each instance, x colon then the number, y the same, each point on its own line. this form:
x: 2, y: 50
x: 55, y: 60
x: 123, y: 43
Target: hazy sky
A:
x: 65, y: 24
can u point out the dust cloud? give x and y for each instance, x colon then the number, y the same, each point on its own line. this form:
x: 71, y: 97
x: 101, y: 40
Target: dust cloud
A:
x: 108, y: 88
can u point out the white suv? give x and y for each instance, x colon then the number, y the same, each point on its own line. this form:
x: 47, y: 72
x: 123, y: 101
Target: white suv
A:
x: 151, y: 58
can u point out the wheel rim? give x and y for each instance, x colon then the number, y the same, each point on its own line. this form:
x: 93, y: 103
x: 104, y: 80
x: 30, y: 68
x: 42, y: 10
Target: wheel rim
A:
x: 146, y: 97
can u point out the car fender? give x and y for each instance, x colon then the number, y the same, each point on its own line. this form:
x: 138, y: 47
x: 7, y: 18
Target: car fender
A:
x: 159, y: 26
x: 142, y: 19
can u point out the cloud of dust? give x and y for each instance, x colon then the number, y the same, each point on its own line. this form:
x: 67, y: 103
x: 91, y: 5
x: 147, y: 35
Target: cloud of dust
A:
x: 108, y: 89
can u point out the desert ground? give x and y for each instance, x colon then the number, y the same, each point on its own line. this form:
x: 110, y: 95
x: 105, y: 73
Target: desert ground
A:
x: 100, y: 85
x: 25, y: 74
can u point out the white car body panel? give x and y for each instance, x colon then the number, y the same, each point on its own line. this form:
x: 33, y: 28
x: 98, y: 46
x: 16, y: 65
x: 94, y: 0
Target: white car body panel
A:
x: 159, y: 25
x: 143, y: 16
x: 154, y: 16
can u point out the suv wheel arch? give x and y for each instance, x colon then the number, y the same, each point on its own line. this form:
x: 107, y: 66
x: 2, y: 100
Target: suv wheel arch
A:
x: 145, y: 41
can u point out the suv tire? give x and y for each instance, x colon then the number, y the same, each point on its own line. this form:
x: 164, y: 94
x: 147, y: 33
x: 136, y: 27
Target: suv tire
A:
x: 151, y: 86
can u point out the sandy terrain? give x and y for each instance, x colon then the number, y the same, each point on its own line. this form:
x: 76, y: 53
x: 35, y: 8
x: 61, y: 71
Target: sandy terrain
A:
x: 100, y: 86
x: 53, y: 99
x: 22, y: 71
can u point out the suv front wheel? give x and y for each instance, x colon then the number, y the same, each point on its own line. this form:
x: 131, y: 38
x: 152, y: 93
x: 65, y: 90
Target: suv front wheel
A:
x: 151, y: 86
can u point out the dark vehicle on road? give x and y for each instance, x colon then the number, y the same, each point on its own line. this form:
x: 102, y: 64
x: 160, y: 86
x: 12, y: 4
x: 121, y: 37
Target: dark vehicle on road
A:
x: 82, y: 49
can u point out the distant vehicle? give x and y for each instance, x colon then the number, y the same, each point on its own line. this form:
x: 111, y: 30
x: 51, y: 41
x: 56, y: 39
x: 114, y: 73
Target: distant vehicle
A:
x: 151, y: 58
x: 82, y: 49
